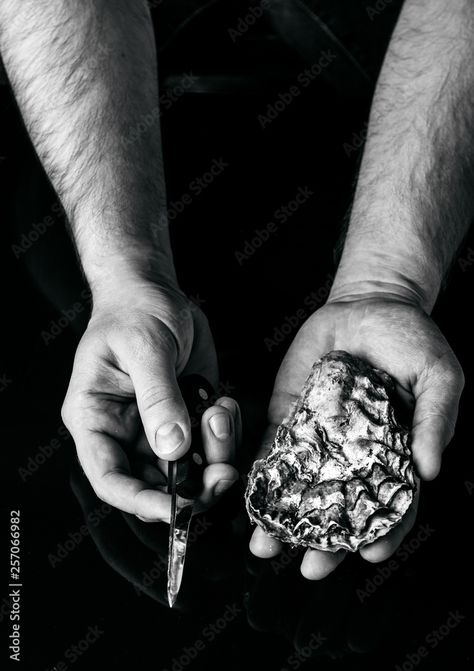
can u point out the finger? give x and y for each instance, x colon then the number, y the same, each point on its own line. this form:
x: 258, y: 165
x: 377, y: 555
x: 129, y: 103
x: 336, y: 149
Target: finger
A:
x: 233, y: 407
x: 436, y: 410
x: 218, y: 435
x: 149, y: 474
x: 142, y: 449
x: 219, y: 428
x: 384, y: 547
x: 119, y: 547
x: 153, y: 536
x: 264, y: 546
x: 162, y: 409
x: 318, y: 564
x: 107, y: 468
x: 217, y: 479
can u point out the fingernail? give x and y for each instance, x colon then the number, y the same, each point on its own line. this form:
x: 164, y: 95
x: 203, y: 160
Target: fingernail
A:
x: 170, y: 437
x: 222, y: 486
x: 220, y: 425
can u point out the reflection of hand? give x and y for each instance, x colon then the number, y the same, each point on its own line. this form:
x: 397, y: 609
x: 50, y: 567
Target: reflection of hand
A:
x: 401, y: 339
x: 139, y: 552
x: 124, y: 393
x: 338, y: 617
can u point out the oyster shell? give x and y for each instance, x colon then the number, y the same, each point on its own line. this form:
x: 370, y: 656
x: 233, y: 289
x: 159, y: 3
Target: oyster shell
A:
x: 340, y: 472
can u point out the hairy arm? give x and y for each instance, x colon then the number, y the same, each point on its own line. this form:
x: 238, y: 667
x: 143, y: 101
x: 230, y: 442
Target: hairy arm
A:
x: 415, y: 199
x: 84, y: 75
x: 413, y: 203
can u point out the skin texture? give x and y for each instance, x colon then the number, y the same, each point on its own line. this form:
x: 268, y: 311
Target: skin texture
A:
x: 100, y: 145
x: 123, y: 390
x: 414, y: 199
x: 96, y: 60
x: 401, y: 339
x: 412, y: 206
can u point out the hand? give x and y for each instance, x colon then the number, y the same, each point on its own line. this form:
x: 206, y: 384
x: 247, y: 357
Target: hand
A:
x: 398, y: 337
x: 124, y: 402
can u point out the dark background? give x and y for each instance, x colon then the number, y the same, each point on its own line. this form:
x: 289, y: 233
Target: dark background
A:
x: 272, y: 613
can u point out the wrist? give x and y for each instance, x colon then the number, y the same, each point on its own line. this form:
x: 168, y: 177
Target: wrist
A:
x: 119, y: 279
x: 112, y: 262
x: 370, y: 274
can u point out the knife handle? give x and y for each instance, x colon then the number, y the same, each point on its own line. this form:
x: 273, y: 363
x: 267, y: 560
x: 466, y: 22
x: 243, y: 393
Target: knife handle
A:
x: 198, y: 395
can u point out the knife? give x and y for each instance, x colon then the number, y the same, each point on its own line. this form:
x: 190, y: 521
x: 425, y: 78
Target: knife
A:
x: 185, y: 480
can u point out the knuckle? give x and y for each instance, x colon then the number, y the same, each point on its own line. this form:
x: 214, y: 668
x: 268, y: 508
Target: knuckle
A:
x: 454, y: 375
x: 66, y: 412
x: 141, y: 342
x: 138, y: 339
x: 227, y: 402
x: 441, y: 418
x: 102, y: 494
x: 137, y: 505
x: 215, y: 410
x: 102, y: 487
x: 451, y: 372
x: 140, y: 508
x: 446, y: 374
x: 156, y: 397
x: 79, y: 410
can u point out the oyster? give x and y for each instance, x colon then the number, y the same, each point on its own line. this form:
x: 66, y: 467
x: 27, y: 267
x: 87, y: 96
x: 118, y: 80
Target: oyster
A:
x: 340, y: 472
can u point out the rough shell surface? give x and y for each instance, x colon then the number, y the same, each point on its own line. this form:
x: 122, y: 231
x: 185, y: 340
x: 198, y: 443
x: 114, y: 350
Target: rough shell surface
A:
x: 340, y: 471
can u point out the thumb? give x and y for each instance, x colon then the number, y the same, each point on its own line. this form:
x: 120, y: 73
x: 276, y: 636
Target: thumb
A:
x: 160, y: 404
x: 436, y: 411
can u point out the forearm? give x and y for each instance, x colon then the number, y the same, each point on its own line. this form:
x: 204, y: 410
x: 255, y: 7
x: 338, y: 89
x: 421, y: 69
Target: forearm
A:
x: 415, y: 199
x: 84, y: 75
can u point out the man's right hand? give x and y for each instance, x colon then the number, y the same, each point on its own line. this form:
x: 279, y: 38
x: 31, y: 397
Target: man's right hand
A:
x: 123, y: 399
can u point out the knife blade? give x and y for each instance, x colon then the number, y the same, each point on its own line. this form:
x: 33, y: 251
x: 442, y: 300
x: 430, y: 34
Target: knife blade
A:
x: 185, y: 480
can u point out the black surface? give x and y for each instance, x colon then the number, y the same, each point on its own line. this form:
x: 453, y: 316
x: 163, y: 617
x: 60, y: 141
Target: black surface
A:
x: 236, y: 612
